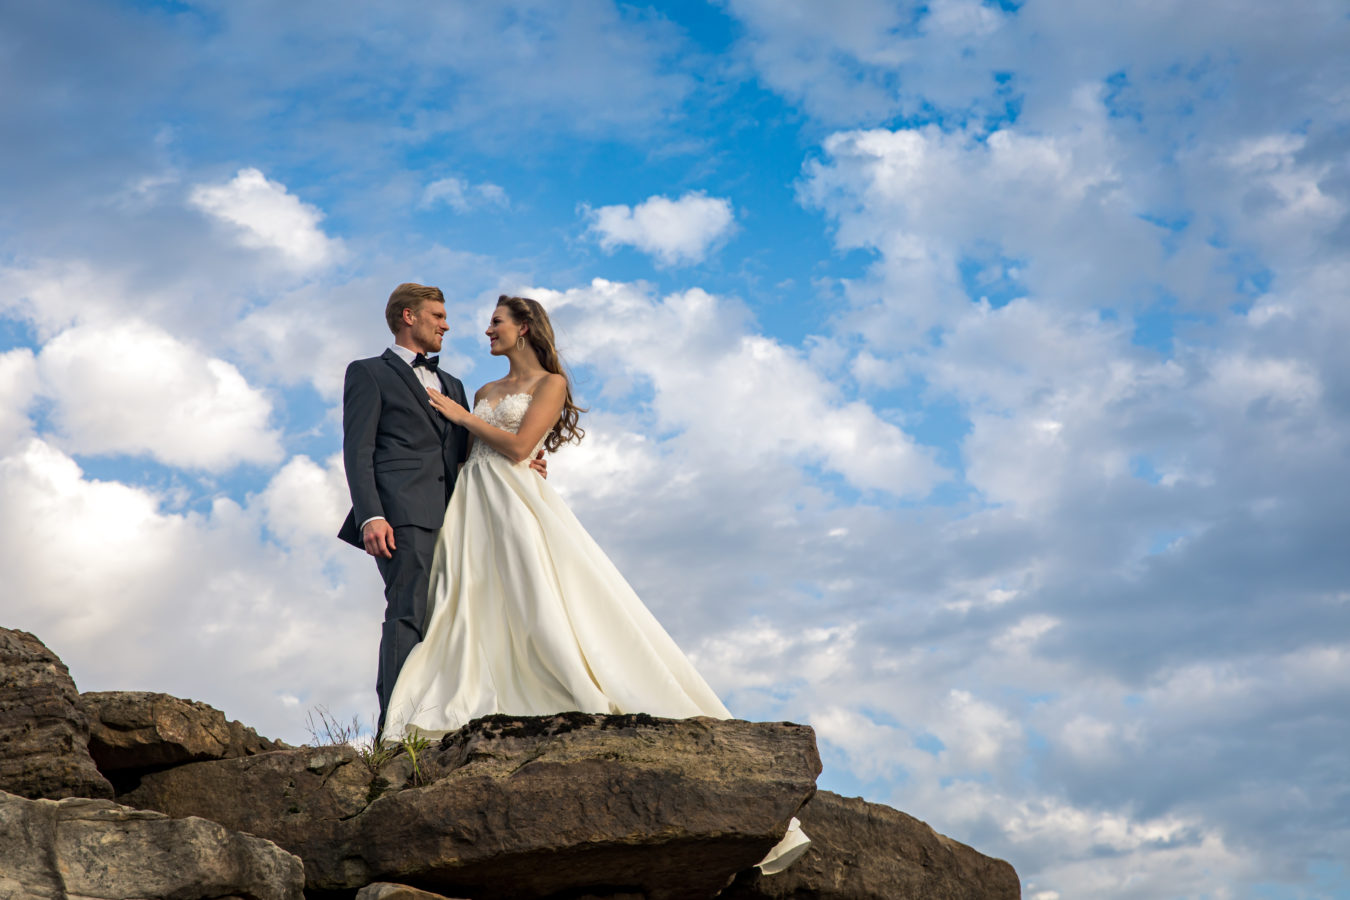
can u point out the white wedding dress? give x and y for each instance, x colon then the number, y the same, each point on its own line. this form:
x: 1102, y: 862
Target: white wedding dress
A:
x: 529, y: 617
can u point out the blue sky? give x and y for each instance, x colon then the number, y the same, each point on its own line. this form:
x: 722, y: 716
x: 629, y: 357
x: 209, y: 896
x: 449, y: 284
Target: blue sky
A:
x: 966, y: 379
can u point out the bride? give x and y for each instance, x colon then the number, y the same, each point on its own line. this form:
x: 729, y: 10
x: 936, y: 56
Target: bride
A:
x: 528, y: 615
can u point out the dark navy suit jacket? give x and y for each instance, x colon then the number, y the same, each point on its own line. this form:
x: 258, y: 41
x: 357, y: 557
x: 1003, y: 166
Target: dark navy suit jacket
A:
x: 401, y: 455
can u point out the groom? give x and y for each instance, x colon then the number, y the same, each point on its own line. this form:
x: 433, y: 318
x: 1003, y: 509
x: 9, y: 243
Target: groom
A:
x: 401, y: 458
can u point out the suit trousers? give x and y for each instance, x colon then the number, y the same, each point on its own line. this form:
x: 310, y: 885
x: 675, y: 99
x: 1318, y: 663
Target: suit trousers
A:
x: 407, y: 579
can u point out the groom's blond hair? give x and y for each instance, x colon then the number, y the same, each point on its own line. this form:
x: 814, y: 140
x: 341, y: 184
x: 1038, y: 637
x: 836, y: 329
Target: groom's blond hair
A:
x: 408, y: 295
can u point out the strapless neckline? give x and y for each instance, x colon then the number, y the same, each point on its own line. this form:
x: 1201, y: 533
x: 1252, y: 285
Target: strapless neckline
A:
x: 502, y: 399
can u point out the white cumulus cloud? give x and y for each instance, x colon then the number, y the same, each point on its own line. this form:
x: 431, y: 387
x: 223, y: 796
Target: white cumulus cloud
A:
x: 269, y: 218
x: 133, y: 388
x: 674, y: 231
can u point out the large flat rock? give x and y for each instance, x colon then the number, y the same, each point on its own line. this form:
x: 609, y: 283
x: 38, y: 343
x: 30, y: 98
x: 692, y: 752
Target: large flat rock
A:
x: 72, y: 848
x: 44, y: 734
x: 520, y: 807
x: 867, y: 851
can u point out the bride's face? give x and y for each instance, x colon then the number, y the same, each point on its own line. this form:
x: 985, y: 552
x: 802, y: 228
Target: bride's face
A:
x: 502, y: 331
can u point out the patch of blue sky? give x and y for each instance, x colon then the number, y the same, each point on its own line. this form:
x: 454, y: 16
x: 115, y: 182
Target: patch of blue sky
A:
x: 310, y: 429
x: 1173, y: 225
x: 171, y: 7
x: 707, y: 24
x: 929, y: 743
x: 629, y: 394
x: 993, y: 278
x: 1121, y: 98
x: 1175, y: 222
x: 1163, y: 540
x: 1252, y: 277
x: 836, y: 775
x: 1325, y: 881
x: 1006, y: 92
x: 40, y: 415
x: 1156, y: 325
x: 845, y: 494
x: 1021, y: 696
x: 1142, y: 467
x: 179, y: 490
x: 16, y: 333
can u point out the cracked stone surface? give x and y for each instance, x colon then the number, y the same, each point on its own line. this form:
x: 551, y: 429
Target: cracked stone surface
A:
x: 74, y: 848
x: 519, y: 807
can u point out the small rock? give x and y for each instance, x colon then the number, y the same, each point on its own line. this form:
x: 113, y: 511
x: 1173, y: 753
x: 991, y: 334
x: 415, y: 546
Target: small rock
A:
x: 44, y: 734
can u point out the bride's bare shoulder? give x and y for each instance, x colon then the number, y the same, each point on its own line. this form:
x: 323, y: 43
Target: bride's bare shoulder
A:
x: 485, y: 390
x: 549, y: 382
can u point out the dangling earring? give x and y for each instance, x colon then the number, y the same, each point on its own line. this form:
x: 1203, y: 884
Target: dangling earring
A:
x: 520, y: 342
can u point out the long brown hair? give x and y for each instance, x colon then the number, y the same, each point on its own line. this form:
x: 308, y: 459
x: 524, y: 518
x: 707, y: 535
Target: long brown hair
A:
x: 539, y: 334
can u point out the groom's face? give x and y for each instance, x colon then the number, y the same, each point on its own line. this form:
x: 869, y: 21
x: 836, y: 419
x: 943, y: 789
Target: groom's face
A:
x: 429, y: 326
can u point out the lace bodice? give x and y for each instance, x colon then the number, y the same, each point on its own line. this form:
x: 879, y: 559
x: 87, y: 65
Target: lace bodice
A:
x: 507, y: 415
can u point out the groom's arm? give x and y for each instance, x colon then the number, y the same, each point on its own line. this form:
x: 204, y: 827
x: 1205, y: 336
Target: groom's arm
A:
x: 360, y: 421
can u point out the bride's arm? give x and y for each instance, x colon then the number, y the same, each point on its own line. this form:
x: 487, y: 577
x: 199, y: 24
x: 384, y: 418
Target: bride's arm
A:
x: 539, y: 419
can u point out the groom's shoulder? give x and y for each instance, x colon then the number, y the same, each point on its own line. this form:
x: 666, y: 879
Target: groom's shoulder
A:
x: 370, y: 362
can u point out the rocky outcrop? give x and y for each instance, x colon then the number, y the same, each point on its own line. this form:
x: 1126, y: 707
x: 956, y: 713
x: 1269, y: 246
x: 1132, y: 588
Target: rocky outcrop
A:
x: 577, y: 806
x: 44, y: 734
x: 134, y: 731
x: 866, y: 851
x: 520, y: 807
x: 94, y: 848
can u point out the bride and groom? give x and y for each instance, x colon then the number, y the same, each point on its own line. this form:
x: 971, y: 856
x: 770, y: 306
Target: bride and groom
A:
x: 497, y: 600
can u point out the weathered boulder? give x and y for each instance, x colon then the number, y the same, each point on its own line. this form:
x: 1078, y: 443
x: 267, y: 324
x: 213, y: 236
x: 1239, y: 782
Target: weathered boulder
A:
x: 94, y: 848
x: 137, y: 730
x: 866, y: 851
x: 520, y: 807
x: 44, y: 734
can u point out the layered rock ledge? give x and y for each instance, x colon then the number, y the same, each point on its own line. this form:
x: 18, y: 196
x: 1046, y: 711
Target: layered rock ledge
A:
x: 520, y: 807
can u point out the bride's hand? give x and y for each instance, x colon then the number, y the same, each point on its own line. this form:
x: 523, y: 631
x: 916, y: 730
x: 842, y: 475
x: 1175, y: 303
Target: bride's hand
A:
x: 446, y: 407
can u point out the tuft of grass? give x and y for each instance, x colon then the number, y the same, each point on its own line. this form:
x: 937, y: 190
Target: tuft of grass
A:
x: 413, y: 743
x: 326, y: 730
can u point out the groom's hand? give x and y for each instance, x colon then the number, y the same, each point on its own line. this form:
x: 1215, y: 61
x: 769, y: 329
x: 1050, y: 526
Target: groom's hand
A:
x: 378, y: 536
x: 539, y: 464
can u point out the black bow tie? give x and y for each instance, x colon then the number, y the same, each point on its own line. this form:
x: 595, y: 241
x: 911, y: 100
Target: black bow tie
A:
x: 428, y: 361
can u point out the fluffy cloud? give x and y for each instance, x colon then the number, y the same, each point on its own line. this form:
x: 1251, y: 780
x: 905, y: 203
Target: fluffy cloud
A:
x: 267, y: 217
x: 133, y: 388
x: 724, y: 387
x: 674, y: 231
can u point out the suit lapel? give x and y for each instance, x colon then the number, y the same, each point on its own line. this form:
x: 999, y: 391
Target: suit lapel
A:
x: 448, y: 391
x: 405, y: 372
